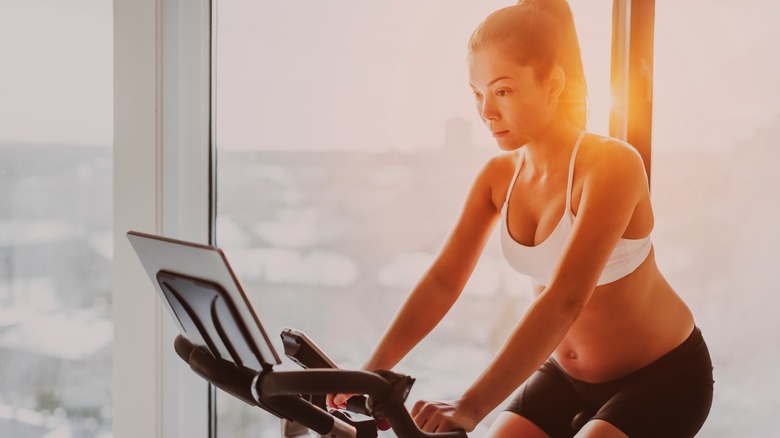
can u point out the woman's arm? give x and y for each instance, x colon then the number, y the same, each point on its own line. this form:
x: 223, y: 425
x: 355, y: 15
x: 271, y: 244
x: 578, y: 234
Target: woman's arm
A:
x: 612, y: 187
x: 442, y: 284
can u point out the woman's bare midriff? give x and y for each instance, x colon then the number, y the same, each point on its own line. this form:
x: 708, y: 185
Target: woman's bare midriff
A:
x: 625, y: 326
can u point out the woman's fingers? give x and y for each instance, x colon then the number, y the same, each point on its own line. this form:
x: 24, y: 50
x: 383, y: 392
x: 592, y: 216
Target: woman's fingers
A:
x: 417, y: 407
x: 425, y: 415
x: 340, y: 400
x: 337, y: 401
x: 329, y: 401
x: 438, y: 416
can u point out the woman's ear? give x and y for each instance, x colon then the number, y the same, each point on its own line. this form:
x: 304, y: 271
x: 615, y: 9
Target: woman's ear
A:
x: 557, y: 82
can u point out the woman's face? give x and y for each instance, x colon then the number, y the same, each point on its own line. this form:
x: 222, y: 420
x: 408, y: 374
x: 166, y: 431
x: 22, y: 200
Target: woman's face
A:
x: 511, y: 101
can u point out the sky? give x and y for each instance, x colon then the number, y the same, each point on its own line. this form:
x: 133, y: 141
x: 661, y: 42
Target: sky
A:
x: 384, y: 76
x: 307, y: 75
x: 715, y: 73
x: 56, y: 79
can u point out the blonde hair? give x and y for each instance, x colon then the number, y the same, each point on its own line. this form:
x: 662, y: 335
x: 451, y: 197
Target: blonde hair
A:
x: 540, y: 34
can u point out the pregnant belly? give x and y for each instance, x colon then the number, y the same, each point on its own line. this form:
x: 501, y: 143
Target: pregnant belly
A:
x: 606, y: 357
x: 593, y: 364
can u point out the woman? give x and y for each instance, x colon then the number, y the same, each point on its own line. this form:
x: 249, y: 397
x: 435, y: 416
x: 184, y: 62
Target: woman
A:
x: 607, y: 349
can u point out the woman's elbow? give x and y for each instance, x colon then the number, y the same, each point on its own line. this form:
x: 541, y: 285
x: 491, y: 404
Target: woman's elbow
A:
x: 569, y: 306
x: 574, y: 309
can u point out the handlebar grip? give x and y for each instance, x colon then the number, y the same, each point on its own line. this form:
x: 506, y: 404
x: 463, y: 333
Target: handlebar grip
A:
x: 359, y: 404
x: 459, y: 433
x: 404, y: 426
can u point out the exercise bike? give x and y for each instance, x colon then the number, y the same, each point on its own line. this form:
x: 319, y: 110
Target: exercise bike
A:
x: 223, y: 341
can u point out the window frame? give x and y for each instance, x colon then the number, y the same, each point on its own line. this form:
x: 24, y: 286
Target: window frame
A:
x: 163, y: 168
x: 631, y: 117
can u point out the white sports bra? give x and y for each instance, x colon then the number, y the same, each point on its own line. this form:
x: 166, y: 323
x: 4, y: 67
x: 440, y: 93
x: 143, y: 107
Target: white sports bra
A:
x: 538, y: 261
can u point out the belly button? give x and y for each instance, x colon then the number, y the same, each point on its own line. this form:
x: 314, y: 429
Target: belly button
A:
x: 571, y: 355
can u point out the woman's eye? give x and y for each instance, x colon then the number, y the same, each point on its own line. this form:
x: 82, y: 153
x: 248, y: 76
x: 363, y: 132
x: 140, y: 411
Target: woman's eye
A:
x: 502, y: 92
x: 476, y: 94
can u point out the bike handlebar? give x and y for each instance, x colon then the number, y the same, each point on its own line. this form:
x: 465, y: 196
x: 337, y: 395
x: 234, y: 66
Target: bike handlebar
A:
x: 386, y: 401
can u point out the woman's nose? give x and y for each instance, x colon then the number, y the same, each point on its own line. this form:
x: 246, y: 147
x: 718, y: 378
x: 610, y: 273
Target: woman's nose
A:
x: 488, y: 111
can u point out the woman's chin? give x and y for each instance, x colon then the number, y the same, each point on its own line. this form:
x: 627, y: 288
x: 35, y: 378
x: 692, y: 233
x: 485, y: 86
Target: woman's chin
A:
x: 506, y: 144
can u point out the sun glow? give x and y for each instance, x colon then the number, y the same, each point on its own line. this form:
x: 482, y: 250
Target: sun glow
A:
x: 593, y: 20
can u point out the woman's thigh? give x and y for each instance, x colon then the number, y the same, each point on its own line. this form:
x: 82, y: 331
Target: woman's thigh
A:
x: 673, y: 408
x: 670, y: 398
x: 511, y: 425
x: 548, y: 402
x: 600, y: 429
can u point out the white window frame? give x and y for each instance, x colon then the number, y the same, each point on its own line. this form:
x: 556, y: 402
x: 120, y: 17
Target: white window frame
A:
x: 162, y: 185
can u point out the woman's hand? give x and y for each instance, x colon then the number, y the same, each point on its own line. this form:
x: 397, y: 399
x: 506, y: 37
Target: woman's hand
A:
x: 443, y: 416
x: 337, y: 401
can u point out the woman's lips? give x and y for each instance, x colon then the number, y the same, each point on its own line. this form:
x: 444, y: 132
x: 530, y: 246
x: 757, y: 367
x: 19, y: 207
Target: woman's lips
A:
x: 500, y: 134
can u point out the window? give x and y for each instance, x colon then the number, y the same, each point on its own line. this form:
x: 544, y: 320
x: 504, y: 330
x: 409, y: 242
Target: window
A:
x: 347, y: 140
x: 56, y: 327
x: 716, y: 122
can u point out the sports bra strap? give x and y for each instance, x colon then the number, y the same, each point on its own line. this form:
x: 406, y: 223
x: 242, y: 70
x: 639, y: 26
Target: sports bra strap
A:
x: 570, y: 177
x: 570, y: 181
x: 514, y: 178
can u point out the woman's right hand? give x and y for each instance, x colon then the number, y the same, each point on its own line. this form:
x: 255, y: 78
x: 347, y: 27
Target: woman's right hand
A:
x: 337, y: 401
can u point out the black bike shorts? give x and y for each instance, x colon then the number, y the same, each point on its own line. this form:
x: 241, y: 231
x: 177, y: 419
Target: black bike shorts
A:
x: 669, y: 398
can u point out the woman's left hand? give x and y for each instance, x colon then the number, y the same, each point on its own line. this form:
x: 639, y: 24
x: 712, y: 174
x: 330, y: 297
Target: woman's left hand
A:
x: 443, y: 416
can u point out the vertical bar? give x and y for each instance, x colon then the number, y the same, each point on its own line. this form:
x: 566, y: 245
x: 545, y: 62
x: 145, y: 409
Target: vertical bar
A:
x: 136, y: 187
x: 640, y: 99
x: 185, y: 102
x: 621, y: 37
x: 161, y: 115
x: 213, y: 123
x: 633, y: 23
x: 212, y: 390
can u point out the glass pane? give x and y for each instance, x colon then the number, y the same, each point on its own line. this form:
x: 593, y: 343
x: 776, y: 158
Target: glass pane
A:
x: 56, y: 327
x: 715, y: 184
x: 347, y: 142
x: 593, y: 20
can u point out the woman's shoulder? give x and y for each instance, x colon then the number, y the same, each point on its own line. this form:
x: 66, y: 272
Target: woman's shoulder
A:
x: 504, y: 162
x: 606, y: 164
x: 609, y: 154
x: 498, y: 166
x: 495, y: 175
x: 499, y: 169
x: 606, y: 144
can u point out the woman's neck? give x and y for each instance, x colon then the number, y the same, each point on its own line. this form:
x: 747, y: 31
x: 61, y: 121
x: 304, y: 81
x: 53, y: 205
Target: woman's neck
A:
x: 551, y: 149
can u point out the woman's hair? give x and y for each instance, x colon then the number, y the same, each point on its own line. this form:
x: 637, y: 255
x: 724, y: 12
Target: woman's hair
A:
x: 540, y: 34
